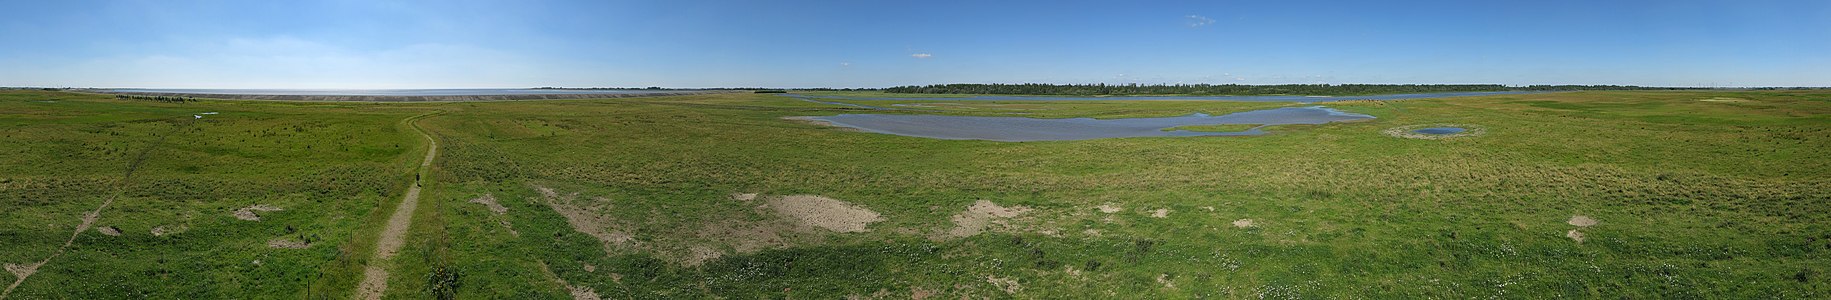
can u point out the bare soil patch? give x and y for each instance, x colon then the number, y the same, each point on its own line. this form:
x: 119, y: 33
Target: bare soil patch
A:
x: 981, y: 215
x: 1010, y: 286
x: 285, y: 243
x: 248, y: 213
x: 577, y: 292
x: 827, y: 213
x: 920, y: 293
x: 1164, y: 279
x: 747, y: 236
x: 163, y: 230
x: 1724, y: 99
x: 588, y: 219
x: 109, y: 230
x: 1575, y: 235
x: 702, y: 254
x: 1581, y: 221
x: 1243, y: 223
x: 1160, y: 213
x: 1110, y: 208
x: 746, y: 197
x: 489, y: 201
x: 22, y: 271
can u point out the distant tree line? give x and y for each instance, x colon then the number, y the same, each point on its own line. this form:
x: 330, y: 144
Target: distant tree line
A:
x: 172, y: 99
x: 1238, y: 89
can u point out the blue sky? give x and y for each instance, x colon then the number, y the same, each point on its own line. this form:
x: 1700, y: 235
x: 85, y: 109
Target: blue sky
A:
x: 685, y: 43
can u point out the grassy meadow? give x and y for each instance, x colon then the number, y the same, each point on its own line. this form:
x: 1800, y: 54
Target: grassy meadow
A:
x: 1695, y: 194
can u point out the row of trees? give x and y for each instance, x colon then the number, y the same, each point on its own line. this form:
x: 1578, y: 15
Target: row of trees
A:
x: 1235, y: 89
x: 172, y: 99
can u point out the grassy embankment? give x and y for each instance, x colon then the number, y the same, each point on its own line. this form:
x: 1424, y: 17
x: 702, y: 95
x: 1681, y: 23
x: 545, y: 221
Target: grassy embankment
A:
x: 1725, y: 198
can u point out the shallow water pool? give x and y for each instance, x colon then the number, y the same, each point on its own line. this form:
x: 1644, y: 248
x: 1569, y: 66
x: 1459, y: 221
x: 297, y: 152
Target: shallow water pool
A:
x: 1019, y: 129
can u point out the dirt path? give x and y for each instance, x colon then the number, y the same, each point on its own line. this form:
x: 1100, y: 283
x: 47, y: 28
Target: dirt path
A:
x: 374, y: 277
x: 23, y: 272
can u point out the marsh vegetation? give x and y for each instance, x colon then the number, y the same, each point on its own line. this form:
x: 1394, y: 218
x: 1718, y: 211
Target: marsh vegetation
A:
x: 717, y: 195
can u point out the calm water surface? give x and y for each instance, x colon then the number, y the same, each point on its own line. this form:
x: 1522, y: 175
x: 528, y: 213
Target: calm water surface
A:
x: 1440, y: 130
x: 1277, y: 98
x: 1018, y: 129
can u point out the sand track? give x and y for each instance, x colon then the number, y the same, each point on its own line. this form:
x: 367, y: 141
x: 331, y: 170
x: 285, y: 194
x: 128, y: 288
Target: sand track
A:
x: 374, y: 276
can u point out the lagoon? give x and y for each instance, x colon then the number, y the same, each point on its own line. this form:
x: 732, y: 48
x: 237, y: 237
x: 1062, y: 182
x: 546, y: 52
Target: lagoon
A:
x: 1020, y: 129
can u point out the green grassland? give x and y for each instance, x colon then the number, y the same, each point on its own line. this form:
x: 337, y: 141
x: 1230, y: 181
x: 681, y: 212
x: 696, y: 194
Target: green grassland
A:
x: 1726, y: 198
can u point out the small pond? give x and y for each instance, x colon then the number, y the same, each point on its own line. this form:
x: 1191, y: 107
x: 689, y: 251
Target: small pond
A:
x: 1019, y: 129
x: 1440, y: 130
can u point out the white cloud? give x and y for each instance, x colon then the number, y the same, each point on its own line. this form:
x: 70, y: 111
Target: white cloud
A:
x: 921, y: 55
x: 1198, y: 21
x: 845, y: 64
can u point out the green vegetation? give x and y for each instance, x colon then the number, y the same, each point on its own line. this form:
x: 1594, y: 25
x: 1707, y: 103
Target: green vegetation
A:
x: 1240, y: 89
x: 1698, y: 194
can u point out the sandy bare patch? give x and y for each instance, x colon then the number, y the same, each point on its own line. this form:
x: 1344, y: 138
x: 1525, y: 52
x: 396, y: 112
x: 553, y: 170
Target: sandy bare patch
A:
x: 746, y: 197
x: 582, y: 293
x: 109, y: 230
x: 284, y: 243
x: 1243, y: 223
x: 248, y: 213
x: 22, y: 271
x: 163, y: 230
x: 489, y: 201
x: 1575, y: 235
x: 1110, y: 208
x: 1581, y: 221
x: 980, y: 215
x: 578, y: 292
x: 1091, y: 232
x: 747, y: 236
x: 1164, y: 279
x: 920, y: 293
x: 1406, y: 131
x: 1724, y: 99
x: 374, y: 282
x: 1009, y: 285
x: 586, y: 219
x: 1160, y: 213
x: 702, y: 254
x: 827, y: 213
x: 589, y: 268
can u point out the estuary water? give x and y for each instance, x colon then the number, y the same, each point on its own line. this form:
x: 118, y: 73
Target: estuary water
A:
x: 1019, y: 129
x: 1272, y: 98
